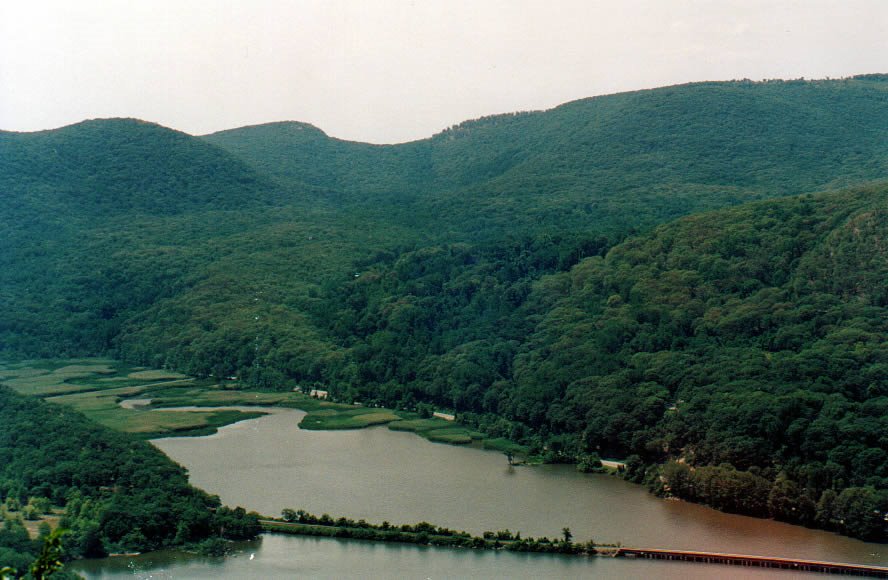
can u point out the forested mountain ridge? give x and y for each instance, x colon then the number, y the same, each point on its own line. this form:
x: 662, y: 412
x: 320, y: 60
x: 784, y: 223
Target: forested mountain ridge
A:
x: 76, y: 200
x: 508, y: 268
x: 123, y: 166
x: 110, y: 222
x: 615, y: 162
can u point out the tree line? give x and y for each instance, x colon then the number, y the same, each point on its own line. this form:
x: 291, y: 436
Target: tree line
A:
x: 116, y: 493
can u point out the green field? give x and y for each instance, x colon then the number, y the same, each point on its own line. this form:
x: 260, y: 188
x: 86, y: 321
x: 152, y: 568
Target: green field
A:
x: 96, y: 387
x: 208, y: 394
x: 354, y: 418
x: 52, y: 377
x: 104, y: 407
x: 438, y: 430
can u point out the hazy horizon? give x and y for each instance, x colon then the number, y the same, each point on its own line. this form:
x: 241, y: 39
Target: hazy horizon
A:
x: 419, y: 138
x: 394, y: 71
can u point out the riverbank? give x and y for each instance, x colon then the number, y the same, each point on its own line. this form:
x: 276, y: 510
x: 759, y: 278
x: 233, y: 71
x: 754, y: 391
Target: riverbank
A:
x: 293, y: 556
x: 138, y: 400
x: 324, y: 415
x: 104, y: 400
x: 424, y: 533
x: 428, y: 534
x: 380, y: 474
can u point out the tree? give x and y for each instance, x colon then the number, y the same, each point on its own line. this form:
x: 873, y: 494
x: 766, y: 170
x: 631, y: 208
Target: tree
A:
x: 49, y: 560
x: 568, y: 536
x: 44, y: 530
x: 41, y: 504
x: 30, y: 513
x: 859, y: 514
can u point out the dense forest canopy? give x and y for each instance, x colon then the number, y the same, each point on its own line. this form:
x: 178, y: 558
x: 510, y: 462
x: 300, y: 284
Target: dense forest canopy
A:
x: 518, y: 269
x: 118, y: 493
x: 610, y: 163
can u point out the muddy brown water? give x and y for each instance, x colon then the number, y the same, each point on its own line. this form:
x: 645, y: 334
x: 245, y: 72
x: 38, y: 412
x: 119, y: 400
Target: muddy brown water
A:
x: 269, y: 464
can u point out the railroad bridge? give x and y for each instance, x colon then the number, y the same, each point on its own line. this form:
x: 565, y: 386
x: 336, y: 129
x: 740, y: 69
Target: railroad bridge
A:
x: 756, y: 561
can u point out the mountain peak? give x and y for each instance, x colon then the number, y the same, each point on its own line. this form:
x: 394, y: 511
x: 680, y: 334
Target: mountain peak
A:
x: 295, y: 130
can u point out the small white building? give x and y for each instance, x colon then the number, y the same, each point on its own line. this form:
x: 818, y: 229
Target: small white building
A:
x: 445, y: 416
x: 318, y: 394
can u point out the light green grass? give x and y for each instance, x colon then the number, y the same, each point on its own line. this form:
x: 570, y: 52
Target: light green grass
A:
x: 103, y: 407
x: 95, y: 387
x: 155, y: 375
x: 419, y: 425
x: 454, y: 436
x: 58, y: 376
x: 49, y: 383
x: 81, y: 369
x: 158, y: 423
x: 438, y: 430
x: 204, y: 394
x: 21, y: 373
x: 347, y: 419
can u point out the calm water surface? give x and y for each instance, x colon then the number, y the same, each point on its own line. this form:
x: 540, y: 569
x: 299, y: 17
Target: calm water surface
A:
x: 268, y: 464
x: 302, y: 557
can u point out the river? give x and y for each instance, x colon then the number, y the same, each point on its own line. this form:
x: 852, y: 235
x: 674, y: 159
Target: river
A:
x: 268, y: 464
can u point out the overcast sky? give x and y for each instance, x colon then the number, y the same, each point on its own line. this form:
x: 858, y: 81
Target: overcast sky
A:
x: 396, y: 70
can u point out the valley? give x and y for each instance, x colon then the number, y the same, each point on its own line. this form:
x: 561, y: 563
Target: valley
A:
x: 691, y: 279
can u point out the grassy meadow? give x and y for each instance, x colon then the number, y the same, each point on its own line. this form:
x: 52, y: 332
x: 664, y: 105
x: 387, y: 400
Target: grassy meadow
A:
x: 96, y: 387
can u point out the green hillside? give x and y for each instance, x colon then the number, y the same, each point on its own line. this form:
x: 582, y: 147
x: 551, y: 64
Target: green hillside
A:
x: 116, y: 493
x: 123, y: 166
x: 607, y: 163
x: 515, y: 269
x: 755, y: 337
x: 105, y: 219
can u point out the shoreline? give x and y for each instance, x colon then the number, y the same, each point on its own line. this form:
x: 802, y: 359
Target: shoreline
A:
x: 565, y: 547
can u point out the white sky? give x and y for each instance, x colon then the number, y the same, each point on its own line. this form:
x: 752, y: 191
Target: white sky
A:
x: 396, y: 70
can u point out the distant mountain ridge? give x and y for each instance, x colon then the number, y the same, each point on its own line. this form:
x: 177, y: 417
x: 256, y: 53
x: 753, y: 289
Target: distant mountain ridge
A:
x: 654, y: 154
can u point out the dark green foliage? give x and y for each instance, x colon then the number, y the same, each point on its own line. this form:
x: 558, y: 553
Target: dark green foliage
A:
x: 750, y: 337
x: 122, y: 236
x: 235, y: 524
x: 14, y: 536
x: 214, y: 546
x: 49, y: 560
x: 119, y: 493
x: 505, y: 269
x: 18, y: 559
x: 12, y: 561
x: 123, y: 166
x: 607, y: 163
x: 300, y: 522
